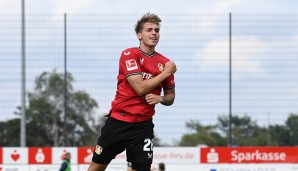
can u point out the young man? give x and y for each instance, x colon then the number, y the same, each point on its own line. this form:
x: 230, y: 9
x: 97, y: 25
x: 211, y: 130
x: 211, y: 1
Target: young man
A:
x: 143, y: 74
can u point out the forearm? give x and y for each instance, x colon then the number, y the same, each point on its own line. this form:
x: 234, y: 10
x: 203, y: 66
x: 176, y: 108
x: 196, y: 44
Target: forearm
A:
x: 143, y: 87
x: 167, y: 100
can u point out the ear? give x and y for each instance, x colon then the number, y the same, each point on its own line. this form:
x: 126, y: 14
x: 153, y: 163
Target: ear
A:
x: 139, y: 35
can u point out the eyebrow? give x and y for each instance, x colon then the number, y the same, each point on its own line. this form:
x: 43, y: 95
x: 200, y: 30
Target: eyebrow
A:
x: 152, y: 28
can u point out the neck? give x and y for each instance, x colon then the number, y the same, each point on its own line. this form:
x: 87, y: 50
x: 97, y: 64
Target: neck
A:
x: 148, y: 50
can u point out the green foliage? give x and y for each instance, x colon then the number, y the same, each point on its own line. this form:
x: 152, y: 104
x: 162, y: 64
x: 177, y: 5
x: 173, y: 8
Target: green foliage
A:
x: 278, y: 135
x: 245, y: 132
x: 46, y: 111
x: 202, y: 135
x: 292, y: 129
x: 10, y: 133
x: 46, y: 122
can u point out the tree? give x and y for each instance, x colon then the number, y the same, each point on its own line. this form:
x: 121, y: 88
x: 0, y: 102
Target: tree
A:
x: 202, y: 135
x: 10, y: 133
x: 245, y: 132
x: 279, y: 136
x: 45, y: 113
x: 292, y: 129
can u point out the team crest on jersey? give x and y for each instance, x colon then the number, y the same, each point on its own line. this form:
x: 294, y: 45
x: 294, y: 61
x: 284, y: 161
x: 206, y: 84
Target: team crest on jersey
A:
x: 98, y: 149
x: 161, y: 67
x: 131, y: 65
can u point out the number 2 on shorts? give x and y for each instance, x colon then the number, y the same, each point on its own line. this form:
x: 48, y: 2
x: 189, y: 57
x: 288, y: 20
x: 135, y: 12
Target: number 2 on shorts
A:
x: 149, y: 145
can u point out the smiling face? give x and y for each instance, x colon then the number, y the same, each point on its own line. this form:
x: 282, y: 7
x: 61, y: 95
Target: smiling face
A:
x: 149, y: 35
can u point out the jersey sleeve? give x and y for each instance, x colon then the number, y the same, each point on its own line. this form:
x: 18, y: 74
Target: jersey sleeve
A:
x: 129, y: 63
x: 169, y: 83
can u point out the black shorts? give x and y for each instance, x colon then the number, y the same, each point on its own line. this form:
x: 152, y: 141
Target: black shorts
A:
x: 116, y: 136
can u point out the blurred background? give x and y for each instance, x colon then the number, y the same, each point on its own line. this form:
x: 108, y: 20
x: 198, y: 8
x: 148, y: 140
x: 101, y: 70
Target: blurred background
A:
x: 236, y: 83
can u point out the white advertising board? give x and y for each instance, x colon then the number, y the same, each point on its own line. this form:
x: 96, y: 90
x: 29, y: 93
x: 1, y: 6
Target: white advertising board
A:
x: 59, y: 152
x: 176, y: 155
x: 248, y: 167
x: 14, y: 168
x: 111, y: 167
x: 52, y: 167
x: 15, y: 155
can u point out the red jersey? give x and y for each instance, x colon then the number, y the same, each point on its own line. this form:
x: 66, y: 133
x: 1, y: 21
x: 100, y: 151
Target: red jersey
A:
x: 127, y: 105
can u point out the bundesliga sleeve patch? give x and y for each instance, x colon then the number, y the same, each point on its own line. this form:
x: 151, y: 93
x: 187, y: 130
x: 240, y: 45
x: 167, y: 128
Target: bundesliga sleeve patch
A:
x: 131, y: 65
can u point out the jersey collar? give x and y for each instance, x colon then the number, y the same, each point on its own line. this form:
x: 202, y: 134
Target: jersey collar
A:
x: 146, y: 54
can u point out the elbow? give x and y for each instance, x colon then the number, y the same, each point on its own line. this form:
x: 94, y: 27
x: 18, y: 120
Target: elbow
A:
x: 167, y: 104
x: 167, y: 101
x: 170, y: 103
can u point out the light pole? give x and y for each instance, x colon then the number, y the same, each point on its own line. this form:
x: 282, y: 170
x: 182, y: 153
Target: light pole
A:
x: 23, y: 83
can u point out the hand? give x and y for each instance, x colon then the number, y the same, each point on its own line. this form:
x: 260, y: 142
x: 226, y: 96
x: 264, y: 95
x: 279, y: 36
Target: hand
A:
x: 170, y: 67
x: 153, y: 99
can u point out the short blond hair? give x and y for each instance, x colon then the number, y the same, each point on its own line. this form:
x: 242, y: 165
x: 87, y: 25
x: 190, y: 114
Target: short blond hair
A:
x: 148, y: 17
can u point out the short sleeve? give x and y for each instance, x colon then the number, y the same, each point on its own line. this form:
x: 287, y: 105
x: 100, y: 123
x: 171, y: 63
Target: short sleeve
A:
x: 169, y: 83
x: 129, y: 63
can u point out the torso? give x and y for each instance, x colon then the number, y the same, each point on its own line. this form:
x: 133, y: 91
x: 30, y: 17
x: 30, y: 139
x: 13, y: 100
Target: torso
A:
x: 127, y: 105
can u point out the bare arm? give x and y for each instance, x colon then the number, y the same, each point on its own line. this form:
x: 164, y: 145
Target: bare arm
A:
x: 167, y: 99
x: 143, y: 87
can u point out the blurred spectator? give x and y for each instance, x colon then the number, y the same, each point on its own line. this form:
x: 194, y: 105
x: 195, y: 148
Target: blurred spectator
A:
x: 65, y: 166
x: 161, y: 167
x: 129, y: 168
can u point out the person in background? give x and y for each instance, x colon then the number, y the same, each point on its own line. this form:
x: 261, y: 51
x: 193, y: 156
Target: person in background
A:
x: 65, y: 166
x: 161, y: 166
x: 129, y: 168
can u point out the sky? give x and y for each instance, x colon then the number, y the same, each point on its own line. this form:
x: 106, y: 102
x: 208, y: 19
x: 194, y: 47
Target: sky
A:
x: 251, y: 66
x: 160, y: 7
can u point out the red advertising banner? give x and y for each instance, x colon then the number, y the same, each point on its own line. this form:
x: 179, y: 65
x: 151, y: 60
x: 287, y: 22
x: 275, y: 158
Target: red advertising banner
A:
x: 1, y: 158
x: 42, y: 155
x: 249, y: 155
x: 85, y: 155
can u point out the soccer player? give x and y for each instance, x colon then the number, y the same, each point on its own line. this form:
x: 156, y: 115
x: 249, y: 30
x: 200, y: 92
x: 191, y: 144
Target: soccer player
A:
x: 143, y: 75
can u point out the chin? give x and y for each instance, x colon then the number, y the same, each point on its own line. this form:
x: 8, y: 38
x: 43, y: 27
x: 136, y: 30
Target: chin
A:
x: 153, y: 44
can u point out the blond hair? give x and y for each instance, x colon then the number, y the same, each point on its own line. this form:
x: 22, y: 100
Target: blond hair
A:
x: 148, y: 17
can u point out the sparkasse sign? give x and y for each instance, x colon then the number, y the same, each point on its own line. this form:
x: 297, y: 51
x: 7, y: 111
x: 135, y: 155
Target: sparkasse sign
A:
x: 249, y: 155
